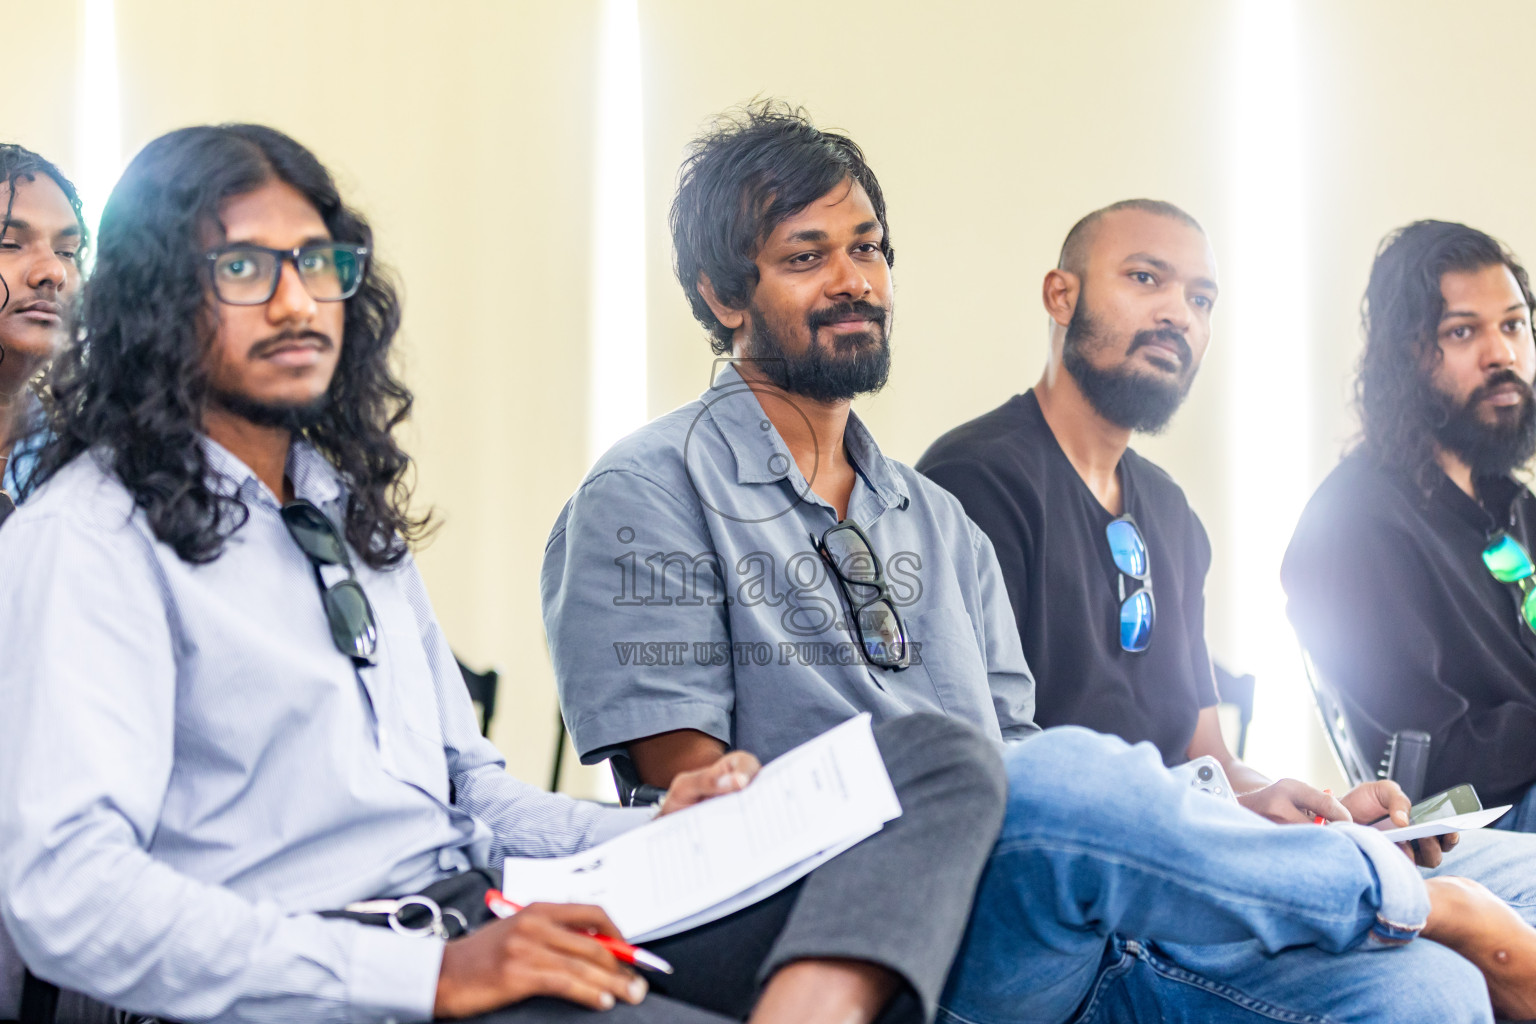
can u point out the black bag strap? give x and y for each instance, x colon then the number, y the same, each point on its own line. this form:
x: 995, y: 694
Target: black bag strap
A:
x: 39, y: 1000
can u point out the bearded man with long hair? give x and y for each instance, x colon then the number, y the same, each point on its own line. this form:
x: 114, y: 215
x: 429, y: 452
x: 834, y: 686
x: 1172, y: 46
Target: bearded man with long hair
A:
x: 1409, y: 573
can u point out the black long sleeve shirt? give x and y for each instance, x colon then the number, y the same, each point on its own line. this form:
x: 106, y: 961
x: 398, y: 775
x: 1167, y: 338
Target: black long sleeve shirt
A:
x: 1389, y: 593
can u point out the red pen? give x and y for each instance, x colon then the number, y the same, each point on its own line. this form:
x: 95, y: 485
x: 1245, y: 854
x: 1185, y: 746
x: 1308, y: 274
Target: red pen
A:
x: 1319, y: 819
x: 503, y: 907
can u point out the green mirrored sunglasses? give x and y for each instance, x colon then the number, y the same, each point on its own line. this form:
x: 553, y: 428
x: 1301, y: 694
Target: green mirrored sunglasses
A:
x: 1509, y: 562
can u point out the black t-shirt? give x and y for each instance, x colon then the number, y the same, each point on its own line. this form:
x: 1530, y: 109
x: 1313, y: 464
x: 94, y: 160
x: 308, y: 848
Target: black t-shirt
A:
x: 1388, y: 591
x: 1048, y: 528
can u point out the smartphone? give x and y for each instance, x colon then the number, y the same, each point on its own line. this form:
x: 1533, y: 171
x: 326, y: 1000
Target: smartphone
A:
x: 1206, y: 775
x: 1460, y: 799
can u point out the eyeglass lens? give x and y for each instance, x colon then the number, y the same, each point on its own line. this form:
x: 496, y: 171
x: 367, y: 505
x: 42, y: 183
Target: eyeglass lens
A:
x: 880, y: 631
x: 1508, y: 560
x: 1136, y: 622
x: 314, y: 534
x: 347, y: 610
x: 351, y: 619
x: 1127, y: 547
x: 852, y: 557
x: 249, y: 276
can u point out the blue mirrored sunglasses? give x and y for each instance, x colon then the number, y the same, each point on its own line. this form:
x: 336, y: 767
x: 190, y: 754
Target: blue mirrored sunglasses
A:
x: 1137, y: 608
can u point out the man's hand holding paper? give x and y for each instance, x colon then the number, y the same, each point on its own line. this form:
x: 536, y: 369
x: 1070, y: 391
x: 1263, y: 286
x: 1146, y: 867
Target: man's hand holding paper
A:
x: 732, y: 850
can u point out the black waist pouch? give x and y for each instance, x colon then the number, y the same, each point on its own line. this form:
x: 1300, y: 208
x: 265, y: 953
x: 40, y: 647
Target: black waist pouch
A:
x: 447, y: 909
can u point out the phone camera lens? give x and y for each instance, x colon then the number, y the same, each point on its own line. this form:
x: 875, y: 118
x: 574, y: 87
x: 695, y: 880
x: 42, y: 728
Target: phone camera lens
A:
x: 1205, y: 773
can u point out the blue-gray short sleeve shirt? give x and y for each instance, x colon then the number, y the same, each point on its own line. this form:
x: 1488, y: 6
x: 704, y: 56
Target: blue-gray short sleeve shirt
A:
x: 682, y: 590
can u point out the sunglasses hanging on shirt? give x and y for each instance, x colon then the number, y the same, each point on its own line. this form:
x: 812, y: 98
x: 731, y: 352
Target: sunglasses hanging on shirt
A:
x: 353, y: 629
x: 872, y: 614
x: 1509, y: 562
x: 1137, y: 609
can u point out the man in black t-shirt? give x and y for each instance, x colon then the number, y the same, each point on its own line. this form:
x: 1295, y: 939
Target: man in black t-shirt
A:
x: 1390, y: 587
x: 1049, y: 476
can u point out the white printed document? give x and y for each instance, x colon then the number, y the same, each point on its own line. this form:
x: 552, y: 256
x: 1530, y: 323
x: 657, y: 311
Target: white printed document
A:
x: 702, y: 863
x: 1440, y: 826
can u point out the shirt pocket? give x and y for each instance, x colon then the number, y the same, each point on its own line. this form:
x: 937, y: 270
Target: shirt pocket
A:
x: 945, y: 652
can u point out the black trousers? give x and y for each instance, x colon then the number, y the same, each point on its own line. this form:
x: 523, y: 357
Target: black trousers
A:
x: 899, y: 899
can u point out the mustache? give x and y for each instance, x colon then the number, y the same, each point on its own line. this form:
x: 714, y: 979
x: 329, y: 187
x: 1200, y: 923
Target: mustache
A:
x: 1496, y: 380
x: 846, y: 311
x: 267, y: 346
x: 1166, y: 336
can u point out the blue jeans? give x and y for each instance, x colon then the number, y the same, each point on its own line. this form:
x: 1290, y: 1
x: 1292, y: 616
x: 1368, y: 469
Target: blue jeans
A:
x: 1505, y: 862
x: 1522, y: 817
x: 1116, y: 892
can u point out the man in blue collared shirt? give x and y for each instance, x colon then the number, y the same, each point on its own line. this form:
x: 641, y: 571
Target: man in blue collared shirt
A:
x: 228, y: 706
x: 750, y: 569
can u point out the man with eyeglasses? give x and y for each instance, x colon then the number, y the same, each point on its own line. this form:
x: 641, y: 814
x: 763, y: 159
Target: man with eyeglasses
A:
x: 750, y: 569
x: 228, y: 713
x: 1409, y: 575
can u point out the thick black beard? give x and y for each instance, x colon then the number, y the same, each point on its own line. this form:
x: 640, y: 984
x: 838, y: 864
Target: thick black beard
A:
x: 1121, y: 395
x: 292, y: 418
x: 1490, y: 449
x: 859, y: 364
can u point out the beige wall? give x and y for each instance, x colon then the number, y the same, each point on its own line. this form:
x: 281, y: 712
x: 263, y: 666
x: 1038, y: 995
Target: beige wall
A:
x: 464, y: 129
x: 39, y: 115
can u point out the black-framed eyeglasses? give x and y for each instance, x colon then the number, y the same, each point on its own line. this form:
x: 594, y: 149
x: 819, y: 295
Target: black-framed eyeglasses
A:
x: 353, y: 629
x: 1138, y: 611
x: 247, y: 275
x: 873, y: 618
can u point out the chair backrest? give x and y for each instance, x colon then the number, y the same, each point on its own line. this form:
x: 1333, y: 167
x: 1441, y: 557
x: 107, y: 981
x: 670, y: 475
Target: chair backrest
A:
x: 1330, y: 708
x: 626, y: 779
x: 1237, y: 691
x: 482, y: 690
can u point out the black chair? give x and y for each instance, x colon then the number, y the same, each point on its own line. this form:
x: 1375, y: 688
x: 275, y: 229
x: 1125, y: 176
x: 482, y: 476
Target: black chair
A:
x: 482, y: 690
x: 1405, y: 759
x: 626, y: 779
x: 1237, y: 691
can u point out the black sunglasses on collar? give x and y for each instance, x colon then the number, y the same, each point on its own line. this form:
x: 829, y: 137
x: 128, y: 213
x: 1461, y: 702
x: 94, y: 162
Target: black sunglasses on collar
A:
x: 873, y: 617
x: 353, y: 629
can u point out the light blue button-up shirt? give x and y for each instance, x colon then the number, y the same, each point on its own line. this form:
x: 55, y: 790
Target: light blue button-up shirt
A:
x: 682, y: 590
x: 23, y: 457
x: 188, y: 767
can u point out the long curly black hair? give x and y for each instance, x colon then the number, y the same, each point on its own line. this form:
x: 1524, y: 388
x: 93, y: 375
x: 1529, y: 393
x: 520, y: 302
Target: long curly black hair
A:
x: 133, y: 390
x: 1400, y: 409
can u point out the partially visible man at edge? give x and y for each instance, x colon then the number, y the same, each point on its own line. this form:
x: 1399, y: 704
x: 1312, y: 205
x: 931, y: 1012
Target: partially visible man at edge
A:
x: 723, y: 627
x: 42, y: 242
x: 1391, y: 572
x: 42, y: 235
x: 228, y: 707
